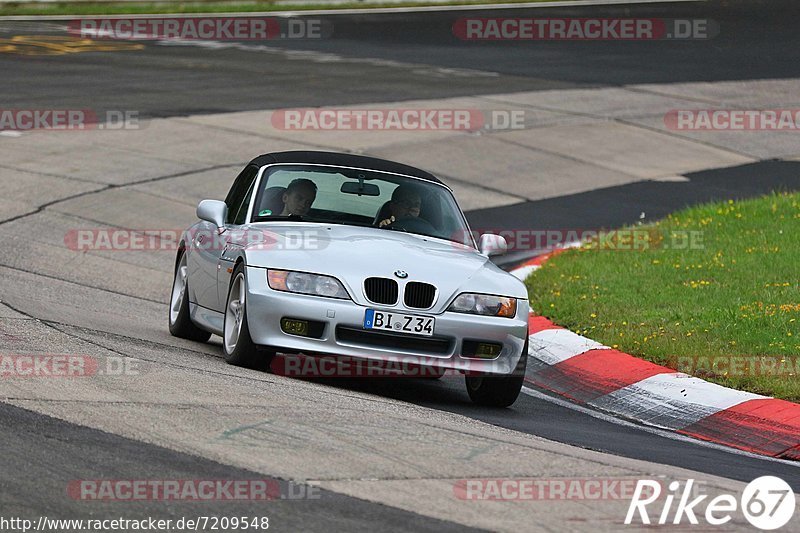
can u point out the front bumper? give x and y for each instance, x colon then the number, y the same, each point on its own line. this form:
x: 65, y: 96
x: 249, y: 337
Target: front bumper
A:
x: 343, y: 333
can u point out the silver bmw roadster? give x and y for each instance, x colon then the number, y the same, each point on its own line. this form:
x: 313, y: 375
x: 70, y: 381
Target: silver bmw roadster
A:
x: 320, y: 253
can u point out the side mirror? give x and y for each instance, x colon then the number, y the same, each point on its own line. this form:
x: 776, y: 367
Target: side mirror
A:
x: 213, y: 211
x: 491, y: 244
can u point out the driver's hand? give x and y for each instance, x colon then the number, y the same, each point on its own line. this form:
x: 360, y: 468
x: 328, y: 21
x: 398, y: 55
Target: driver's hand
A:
x: 386, y: 222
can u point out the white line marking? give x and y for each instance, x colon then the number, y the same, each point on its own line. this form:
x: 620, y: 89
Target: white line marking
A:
x: 326, y: 57
x: 475, y: 7
x: 359, y: 11
x: 655, y: 431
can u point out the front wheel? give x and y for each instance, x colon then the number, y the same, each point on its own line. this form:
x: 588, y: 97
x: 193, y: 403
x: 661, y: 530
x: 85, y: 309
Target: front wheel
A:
x: 498, y: 391
x: 180, y: 324
x: 236, y: 341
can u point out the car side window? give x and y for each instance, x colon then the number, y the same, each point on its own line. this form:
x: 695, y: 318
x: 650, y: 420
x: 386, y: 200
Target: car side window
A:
x: 241, y: 216
x: 238, y: 197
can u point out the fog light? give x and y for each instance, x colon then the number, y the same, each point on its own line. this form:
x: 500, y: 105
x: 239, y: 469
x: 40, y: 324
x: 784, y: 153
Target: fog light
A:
x: 293, y: 326
x: 487, y: 350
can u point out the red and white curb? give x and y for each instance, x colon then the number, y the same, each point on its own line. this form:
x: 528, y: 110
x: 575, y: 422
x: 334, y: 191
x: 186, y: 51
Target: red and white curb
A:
x: 588, y: 373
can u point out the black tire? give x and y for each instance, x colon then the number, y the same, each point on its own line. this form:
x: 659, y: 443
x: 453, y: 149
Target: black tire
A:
x: 180, y: 323
x: 245, y: 352
x: 498, y: 391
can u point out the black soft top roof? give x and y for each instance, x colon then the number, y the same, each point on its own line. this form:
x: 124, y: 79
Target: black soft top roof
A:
x: 342, y: 160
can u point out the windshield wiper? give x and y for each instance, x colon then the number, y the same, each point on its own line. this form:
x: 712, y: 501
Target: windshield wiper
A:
x: 394, y: 228
x: 293, y: 218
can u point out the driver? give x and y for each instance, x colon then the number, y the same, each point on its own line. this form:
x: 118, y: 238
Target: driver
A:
x: 299, y: 196
x: 406, y: 203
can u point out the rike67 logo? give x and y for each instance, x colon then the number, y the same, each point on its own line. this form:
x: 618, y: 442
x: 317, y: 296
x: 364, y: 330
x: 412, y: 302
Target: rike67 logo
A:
x: 767, y: 502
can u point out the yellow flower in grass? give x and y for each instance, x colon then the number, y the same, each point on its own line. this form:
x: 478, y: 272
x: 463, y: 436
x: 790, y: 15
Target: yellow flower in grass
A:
x: 695, y: 284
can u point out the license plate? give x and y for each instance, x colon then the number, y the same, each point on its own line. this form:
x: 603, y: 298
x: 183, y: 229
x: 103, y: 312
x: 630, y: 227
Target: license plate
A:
x: 399, y: 322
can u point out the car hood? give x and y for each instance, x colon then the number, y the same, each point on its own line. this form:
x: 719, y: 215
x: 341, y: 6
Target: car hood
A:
x: 352, y: 253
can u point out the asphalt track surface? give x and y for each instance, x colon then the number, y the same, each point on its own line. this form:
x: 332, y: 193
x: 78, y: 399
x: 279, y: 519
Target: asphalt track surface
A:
x: 759, y: 41
x: 42, y: 455
x: 164, y: 81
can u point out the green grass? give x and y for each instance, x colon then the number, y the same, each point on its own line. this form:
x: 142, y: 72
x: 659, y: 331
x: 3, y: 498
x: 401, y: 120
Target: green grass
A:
x: 133, y: 8
x: 735, y: 293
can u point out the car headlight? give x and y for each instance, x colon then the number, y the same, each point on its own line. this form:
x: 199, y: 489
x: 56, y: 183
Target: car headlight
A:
x: 303, y: 283
x: 484, y: 304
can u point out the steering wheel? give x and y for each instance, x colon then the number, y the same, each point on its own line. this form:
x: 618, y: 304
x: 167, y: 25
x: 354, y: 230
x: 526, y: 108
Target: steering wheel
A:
x: 414, y: 225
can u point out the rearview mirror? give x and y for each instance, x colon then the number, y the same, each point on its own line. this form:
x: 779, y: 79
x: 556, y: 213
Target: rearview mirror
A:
x: 360, y: 188
x: 491, y: 244
x: 213, y: 211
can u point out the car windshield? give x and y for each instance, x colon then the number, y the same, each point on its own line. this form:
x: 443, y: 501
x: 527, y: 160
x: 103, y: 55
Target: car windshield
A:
x: 359, y: 197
